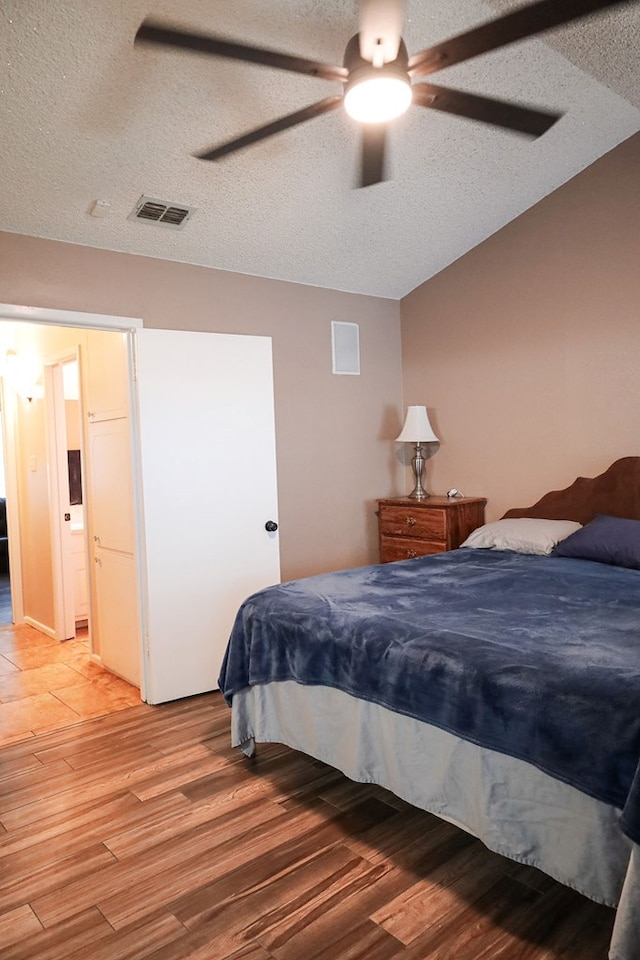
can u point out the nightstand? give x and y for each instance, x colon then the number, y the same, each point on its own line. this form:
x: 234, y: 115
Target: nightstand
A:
x: 414, y: 528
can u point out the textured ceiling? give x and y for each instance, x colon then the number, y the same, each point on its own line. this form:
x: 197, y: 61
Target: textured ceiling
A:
x: 85, y: 116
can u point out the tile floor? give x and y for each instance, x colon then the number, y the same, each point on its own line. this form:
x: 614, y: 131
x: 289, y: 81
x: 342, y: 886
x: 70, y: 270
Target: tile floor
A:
x: 45, y: 684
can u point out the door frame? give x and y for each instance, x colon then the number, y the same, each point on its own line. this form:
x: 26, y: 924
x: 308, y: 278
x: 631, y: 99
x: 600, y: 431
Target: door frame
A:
x: 9, y: 417
x: 19, y: 313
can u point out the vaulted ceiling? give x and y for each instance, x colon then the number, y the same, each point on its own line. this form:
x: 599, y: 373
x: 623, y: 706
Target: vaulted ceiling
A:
x: 87, y: 116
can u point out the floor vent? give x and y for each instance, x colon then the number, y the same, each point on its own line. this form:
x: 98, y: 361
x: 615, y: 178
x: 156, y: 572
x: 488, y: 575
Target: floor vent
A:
x: 165, y: 214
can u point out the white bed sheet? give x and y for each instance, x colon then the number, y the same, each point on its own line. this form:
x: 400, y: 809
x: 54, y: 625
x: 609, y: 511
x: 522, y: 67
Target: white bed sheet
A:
x: 515, y: 809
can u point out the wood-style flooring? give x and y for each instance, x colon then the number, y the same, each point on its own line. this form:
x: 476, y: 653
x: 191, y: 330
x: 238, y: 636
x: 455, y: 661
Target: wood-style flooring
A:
x: 143, y: 835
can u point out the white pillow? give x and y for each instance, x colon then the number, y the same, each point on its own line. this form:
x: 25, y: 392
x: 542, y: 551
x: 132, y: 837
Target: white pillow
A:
x: 522, y: 534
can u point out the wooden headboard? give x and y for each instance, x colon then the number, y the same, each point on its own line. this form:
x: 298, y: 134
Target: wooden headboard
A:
x: 615, y: 492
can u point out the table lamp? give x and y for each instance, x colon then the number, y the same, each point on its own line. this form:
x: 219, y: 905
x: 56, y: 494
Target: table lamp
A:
x: 417, y: 430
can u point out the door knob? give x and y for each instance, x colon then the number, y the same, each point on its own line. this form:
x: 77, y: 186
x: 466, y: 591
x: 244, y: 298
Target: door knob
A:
x: 271, y: 526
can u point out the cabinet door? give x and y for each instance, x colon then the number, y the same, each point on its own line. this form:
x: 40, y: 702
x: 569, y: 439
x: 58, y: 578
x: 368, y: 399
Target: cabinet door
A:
x: 118, y: 624
x: 106, y: 388
x: 208, y: 470
x: 111, y: 503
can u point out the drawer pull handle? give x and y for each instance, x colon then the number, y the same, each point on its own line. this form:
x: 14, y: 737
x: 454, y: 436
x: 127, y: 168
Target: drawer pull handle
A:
x: 411, y: 554
x: 411, y: 521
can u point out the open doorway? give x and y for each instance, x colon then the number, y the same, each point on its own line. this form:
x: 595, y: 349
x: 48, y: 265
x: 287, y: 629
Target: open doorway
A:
x: 43, y: 444
x: 41, y: 471
x: 49, y: 678
x: 69, y: 445
x: 178, y: 532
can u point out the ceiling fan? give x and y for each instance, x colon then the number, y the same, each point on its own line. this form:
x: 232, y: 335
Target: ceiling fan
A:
x: 377, y: 72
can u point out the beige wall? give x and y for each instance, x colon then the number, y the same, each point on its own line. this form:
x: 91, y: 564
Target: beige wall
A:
x: 527, y: 350
x: 334, y: 433
x: 37, y: 583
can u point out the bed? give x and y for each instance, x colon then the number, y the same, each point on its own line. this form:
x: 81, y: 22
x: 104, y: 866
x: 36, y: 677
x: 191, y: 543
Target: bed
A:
x: 496, y: 686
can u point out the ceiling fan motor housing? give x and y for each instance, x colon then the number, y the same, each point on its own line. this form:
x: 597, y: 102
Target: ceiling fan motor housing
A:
x: 354, y: 63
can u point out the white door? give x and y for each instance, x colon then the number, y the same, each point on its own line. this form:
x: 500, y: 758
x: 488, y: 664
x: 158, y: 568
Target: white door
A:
x: 208, y: 472
x: 60, y: 508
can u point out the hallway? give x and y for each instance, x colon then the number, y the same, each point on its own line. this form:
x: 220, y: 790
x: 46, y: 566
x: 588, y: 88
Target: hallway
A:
x: 6, y: 615
x: 46, y: 685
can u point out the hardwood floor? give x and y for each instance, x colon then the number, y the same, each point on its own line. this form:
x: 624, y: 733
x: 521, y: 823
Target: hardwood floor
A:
x: 143, y: 835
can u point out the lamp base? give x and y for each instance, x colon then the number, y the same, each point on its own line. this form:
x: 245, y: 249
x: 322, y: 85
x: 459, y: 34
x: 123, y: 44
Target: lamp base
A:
x: 417, y: 463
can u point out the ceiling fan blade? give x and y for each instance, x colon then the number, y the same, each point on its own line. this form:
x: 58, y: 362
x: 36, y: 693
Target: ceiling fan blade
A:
x: 524, y: 22
x: 500, y: 113
x: 152, y: 32
x: 380, y: 24
x: 261, y: 133
x: 374, y: 137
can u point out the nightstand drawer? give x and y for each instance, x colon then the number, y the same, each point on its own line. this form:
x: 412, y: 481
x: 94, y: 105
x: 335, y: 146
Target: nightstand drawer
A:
x: 416, y: 528
x: 411, y: 522
x: 404, y: 548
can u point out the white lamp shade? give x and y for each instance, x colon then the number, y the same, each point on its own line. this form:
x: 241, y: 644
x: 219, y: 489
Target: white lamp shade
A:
x: 417, y: 428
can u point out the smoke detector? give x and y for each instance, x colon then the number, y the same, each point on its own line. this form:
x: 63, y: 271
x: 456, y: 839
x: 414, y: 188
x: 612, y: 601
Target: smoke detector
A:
x: 100, y: 209
x: 162, y: 212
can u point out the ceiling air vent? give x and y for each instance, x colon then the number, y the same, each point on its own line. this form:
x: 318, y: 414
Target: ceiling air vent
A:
x: 165, y: 214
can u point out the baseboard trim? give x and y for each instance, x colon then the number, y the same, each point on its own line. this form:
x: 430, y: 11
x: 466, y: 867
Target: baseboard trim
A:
x: 41, y: 627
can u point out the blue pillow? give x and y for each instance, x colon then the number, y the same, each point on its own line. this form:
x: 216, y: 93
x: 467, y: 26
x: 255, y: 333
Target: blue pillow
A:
x: 605, y: 539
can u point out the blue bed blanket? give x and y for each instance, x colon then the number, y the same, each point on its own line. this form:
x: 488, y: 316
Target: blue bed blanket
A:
x: 535, y: 657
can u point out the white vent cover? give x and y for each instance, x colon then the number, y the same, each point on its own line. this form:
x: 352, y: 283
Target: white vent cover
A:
x: 165, y: 214
x: 345, y: 343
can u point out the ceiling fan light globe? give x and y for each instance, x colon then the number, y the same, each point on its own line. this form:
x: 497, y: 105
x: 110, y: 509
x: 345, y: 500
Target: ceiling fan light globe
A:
x: 377, y: 99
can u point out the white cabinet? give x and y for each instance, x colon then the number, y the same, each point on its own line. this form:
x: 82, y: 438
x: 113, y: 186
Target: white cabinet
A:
x: 113, y: 574
x: 106, y: 372
x: 115, y: 578
x: 111, y: 504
